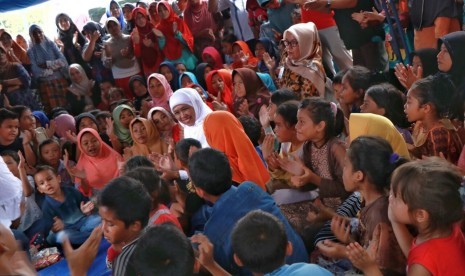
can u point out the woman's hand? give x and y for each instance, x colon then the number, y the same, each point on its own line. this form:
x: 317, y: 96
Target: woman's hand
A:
x: 135, y: 36
x: 406, y: 76
x: 109, y: 123
x: 217, y: 102
x: 50, y: 129
x: 270, y: 62
x: 73, y: 171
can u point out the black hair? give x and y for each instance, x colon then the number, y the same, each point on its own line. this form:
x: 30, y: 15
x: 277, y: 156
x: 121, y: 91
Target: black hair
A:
x: 439, y: 91
x: 137, y: 161
x: 19, y: 109
x: 283, y: 95
x: 252, y: 128
x: 210, y: 170
x: 259, y: 240
x: 117, y: 89
x: 183, y: 147
x: 122, y: 192
x: 163, y: 250
x: 6, y: 114
x: 373, y: 156
x: 103, y: 115
x: 359, y: 78
x: 152, y: 182
x: 47, y: 142
x: 288, y: 110
x: 229, y: 37
x: 11, y: 153
x: 338, y: 77
x: 57, y: 111
x: 438, y: 184
x: 320, y: 110
x: 387, y: 96
x: 43, y: 168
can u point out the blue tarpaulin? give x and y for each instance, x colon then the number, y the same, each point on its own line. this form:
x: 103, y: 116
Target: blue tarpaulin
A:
x: 10, y: 5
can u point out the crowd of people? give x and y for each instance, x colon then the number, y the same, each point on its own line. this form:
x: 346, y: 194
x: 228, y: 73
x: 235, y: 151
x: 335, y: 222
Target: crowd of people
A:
x: 260, y: 137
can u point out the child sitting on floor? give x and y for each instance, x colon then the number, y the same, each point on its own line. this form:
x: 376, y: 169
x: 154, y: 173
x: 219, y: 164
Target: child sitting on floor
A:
x: 64, y: 208
x: 50, y: 155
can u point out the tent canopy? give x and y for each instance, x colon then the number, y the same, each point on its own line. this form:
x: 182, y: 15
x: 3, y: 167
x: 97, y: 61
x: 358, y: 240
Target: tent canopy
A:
x: 10, y: 5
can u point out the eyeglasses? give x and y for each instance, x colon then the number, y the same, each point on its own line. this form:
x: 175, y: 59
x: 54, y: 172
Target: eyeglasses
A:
x: 288, y: 44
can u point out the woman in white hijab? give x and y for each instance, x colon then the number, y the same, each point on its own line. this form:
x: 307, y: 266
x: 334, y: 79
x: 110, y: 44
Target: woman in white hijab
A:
x: 190, y: 111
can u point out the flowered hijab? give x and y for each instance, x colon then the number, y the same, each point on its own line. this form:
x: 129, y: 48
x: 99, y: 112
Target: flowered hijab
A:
x: 309, y: 65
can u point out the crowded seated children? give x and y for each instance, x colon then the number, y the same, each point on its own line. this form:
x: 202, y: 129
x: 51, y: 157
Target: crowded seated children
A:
x: 124, y: 206
x: 211, y: 176
x: 9, y: 139
x: 159, y: 193
x: 260, y: 244
x: 164, y: 250
x: 439, y: 247
x: 50, y: 155
x: 64, y: 208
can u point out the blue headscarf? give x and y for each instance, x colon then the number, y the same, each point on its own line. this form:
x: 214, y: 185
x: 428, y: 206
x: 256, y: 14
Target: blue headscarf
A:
x: 121, y: 16
x: 190, y: 75
x: 267, y: 81
x: 41, y: 117
x: 174, y: 83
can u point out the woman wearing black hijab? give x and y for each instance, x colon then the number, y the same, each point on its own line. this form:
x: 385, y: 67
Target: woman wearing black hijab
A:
x: 72, y: 41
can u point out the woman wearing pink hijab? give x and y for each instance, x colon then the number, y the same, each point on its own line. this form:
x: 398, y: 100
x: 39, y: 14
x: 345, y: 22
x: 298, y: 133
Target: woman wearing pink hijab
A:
x: 97, y: 164
x: 160, y: 90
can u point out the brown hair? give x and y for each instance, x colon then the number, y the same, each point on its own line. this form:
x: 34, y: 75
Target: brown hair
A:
x: 432, y: 185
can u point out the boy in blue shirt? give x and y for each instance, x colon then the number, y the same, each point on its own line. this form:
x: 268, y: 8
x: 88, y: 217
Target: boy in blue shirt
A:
x: 64, y: 208
x: 260, y: 244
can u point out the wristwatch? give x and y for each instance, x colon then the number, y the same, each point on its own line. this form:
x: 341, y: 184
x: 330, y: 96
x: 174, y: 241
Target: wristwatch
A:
x: 328, y: 4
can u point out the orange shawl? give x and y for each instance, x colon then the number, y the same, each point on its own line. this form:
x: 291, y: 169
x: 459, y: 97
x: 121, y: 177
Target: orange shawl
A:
x: 225, y: 133
x: 154, y: 141
x: 99, y: 169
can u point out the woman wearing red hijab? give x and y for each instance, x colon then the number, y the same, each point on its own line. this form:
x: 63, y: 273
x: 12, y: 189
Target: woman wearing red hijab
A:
x: 148, y: 42
x: 179, y: 40
x: 220, y: 81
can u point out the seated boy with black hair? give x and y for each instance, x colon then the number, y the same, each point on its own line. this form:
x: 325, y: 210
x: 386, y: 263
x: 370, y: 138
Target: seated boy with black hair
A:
x: 260, y: 244
x: 159, y: 193
x: 190, y: 209
x: 64, y: 208
x: 165, y: 250
x: 9, y: 139
x: 211, y: 176
x: 124, y: 206
x: 254, y: 131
